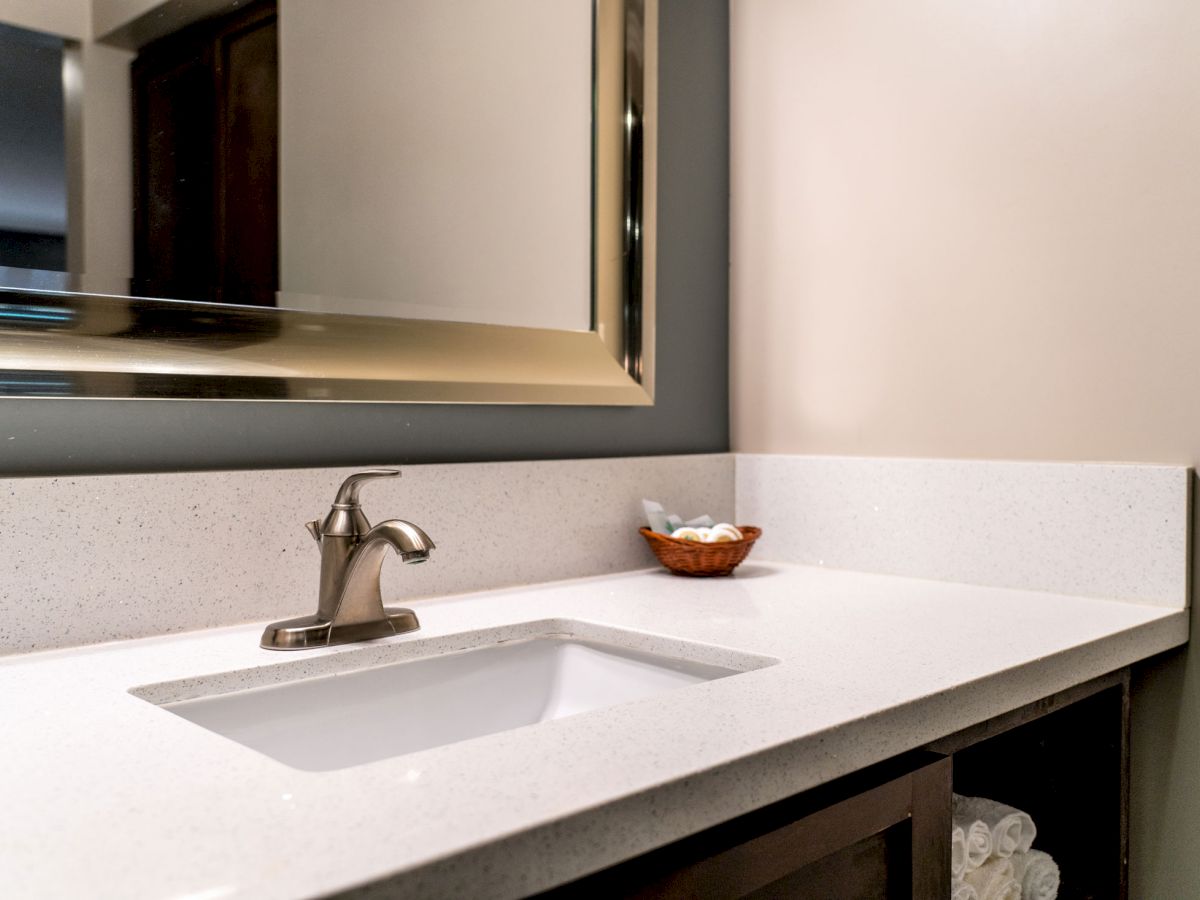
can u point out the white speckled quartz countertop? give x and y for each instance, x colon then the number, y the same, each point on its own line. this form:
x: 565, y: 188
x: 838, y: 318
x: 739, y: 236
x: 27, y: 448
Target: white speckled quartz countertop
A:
x: 107, y: 795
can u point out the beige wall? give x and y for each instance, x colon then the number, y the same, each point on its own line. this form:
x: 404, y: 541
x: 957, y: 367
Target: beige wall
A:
x: 66, y: 18
x: 107, y: 137
x: 973, y: 230
x: 436, y: 159
x: 109, y: 15
x: 131, y: 24
x: 967, y: 229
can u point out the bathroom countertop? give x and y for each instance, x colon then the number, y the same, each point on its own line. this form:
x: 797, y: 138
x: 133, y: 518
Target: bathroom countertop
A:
x: 106, y: 795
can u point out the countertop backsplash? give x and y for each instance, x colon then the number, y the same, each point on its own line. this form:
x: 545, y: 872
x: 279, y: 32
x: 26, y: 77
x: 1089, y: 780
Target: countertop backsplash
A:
x: 100, y: 558
x: 1114, y: 531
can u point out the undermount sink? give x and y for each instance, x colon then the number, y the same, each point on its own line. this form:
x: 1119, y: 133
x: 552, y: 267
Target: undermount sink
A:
x: 348, y: 718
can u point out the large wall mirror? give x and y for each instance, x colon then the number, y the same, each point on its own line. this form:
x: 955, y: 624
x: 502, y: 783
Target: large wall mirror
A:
x: 371, y: 200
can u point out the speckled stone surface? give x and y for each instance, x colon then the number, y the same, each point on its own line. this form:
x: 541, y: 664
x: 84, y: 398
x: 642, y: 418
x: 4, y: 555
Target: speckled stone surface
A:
x: 371, y: 654
x: 106, y: 795
x: 1117, y: 531
x: 101, y: 558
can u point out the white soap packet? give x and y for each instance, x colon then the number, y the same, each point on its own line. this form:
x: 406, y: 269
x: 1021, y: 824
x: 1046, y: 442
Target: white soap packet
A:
x: 656, y: 517
x: 662, y: 522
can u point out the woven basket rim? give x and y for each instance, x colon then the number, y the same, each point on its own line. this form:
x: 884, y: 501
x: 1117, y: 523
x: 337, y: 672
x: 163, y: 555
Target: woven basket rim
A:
x: 750, y: 533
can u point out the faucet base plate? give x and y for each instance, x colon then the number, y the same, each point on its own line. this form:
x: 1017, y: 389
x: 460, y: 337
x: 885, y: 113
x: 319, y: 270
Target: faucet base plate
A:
x: 312, y: 631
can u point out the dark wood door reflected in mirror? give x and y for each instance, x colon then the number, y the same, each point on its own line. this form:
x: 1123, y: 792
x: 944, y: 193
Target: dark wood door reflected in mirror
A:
x: 206, y: 161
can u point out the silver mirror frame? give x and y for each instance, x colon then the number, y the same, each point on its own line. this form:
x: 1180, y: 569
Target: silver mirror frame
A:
x: 61, y: 344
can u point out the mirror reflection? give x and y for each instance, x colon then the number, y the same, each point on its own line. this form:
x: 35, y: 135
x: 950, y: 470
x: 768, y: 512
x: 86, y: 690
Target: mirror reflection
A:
x: 33, y: 167
x: 424, y: 159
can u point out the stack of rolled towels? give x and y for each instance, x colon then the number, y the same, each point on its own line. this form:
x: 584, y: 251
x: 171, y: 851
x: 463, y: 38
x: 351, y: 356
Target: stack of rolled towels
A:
x: 992, y: 855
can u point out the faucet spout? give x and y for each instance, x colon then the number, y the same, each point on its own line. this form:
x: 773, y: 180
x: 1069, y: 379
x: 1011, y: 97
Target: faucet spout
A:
x: 360, y: 598
x: 408, y: 540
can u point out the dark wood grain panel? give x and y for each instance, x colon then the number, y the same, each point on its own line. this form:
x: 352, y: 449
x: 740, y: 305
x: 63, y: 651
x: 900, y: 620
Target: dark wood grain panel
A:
x: 247, y: 236
x: 856, y: 837
x: 206, y: 161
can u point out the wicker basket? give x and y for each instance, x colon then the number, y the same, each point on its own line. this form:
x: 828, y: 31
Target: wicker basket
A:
x: 701, y: 560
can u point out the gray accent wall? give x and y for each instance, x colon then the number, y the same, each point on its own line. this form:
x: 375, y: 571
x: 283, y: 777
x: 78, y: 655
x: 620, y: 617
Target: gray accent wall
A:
x: 690, y: 414
x: 33, y: 176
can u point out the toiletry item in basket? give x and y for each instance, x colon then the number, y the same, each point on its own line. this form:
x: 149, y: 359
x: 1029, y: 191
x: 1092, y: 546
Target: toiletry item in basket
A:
x: 662, y: 522
x: 720, y: 534
x: 656, y: 517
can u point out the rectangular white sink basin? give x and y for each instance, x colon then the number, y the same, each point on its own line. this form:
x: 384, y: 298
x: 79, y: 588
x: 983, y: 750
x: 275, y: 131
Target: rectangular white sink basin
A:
x: 353, y: 717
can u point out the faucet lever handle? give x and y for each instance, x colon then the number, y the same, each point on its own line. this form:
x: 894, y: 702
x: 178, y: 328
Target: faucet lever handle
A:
x: 314, y: 528
x: 347, y: 495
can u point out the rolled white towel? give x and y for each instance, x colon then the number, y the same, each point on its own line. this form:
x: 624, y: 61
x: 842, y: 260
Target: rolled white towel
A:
x: 1012, y: 830
x: 1037, y: 873
x: 960, y: 890
x: 977, y: 842
x: 994, y: 880
x: 958, y: 853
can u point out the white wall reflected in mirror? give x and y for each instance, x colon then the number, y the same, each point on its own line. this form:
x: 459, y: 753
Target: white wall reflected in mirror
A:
x: 468, y: 194
x: 435, y: 156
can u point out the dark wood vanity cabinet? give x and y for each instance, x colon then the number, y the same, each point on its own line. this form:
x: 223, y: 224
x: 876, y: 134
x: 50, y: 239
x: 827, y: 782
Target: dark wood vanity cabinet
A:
x: 884, y: 832
x: 1065, y: 761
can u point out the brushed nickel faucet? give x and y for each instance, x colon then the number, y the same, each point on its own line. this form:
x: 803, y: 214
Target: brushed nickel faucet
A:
x: 351, y: 607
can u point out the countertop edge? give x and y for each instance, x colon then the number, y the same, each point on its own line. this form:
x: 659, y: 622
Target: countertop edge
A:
x: 587, y: 841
